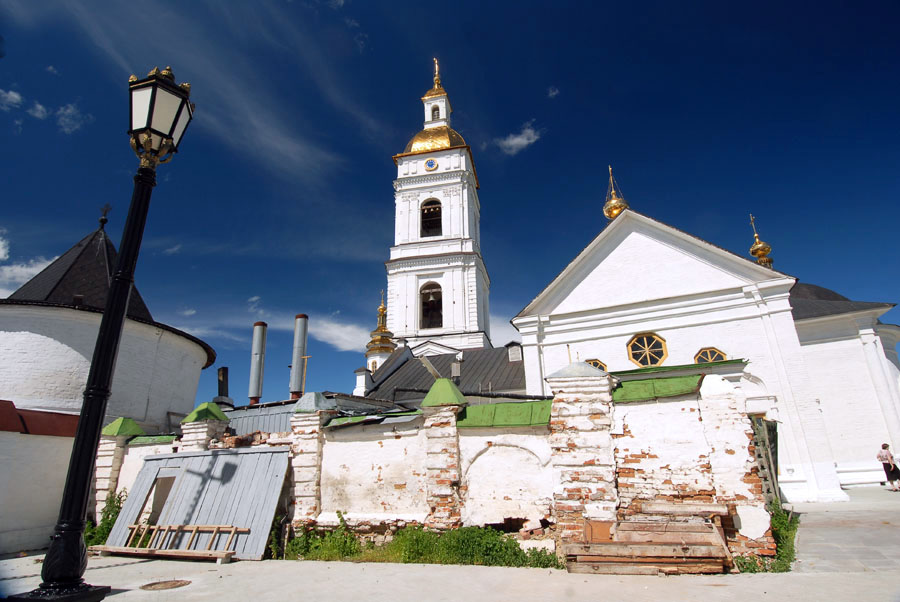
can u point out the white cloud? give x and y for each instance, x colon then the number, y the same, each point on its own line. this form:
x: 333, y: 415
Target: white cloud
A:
x: 52, y: 69
x: 343, y: 336
x: 552, y: 92
x: 516, y: 143
x: 38, y: 111
x: 206, y: 332
x: 16, y: 274
x: 4, y: 245
x: 172, y: 250
x: 188, y: 312
x: 336, y: 4
x: 70, y: 119
x: 17, y: 126
x: 502, y: 332
x: 10, y: 100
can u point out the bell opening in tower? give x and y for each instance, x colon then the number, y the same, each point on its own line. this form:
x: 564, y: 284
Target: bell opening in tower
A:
x: 431, y: 218
x: 432, y: 306
x: 435, y: 113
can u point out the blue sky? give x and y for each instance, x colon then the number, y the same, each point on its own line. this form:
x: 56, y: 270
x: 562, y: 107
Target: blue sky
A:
x: 281, y: 202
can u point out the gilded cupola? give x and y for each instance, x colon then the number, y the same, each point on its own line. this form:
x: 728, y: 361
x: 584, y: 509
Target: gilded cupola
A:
x: 436, y: 133
x: 760, y: 249
x: 615, y: 202
x: 381, y: 342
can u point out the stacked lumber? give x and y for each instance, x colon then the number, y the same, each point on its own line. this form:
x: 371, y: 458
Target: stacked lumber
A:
x: 667, y: 538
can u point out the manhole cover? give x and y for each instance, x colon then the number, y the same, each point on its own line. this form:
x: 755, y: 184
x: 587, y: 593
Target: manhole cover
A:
x: 171, y: 584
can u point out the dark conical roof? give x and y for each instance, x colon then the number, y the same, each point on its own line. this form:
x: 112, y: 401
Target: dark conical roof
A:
x: 84, y: 270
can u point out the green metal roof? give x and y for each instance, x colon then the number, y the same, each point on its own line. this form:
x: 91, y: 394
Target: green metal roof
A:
x: 443, y: 393
x: 205, y: 411
x: 655, y: 388
x: 122, y: 427
x: 658, y: 369
x: 152, y: 440
x: 528, y: 413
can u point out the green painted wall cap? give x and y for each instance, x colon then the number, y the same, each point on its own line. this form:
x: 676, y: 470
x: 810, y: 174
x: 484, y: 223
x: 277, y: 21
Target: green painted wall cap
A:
x: 444, y: 393
x: 205, y: 411
x: 122, y: 427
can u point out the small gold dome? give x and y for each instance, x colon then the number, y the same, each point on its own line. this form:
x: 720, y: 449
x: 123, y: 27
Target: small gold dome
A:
x: 436, y: 138
x: 760, y: 249
x: 615, y: 202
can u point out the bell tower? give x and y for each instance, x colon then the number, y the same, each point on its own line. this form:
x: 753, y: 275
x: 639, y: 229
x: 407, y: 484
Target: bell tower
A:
x: 438, y: 285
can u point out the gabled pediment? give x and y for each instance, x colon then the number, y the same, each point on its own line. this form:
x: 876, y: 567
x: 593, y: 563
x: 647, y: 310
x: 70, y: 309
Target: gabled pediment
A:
x: 432, y: 348
x: 636, y: 259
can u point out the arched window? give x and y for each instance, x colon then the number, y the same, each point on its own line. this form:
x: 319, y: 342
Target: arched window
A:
x: 374, y: 365
x: 435, y: 113
x: 647, y: 349
x: 432, y: 306
x: 709, y: 354
x: 596, y: 364
x: 431, y: 218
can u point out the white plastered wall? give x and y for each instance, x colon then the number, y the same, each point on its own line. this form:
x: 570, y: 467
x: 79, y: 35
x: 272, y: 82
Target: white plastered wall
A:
x: 30, y: 491
x: 506, y: 473
x: 374, y: 474
x: 45, y: 355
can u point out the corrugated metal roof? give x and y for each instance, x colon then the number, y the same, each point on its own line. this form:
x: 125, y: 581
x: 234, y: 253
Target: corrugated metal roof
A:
x: 483, y: 370
x: 261, y: 417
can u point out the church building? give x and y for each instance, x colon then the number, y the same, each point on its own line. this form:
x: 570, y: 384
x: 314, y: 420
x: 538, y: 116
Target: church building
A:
x: 642, y: 296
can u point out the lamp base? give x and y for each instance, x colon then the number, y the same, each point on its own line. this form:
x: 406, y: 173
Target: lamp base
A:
x: 80, y: 593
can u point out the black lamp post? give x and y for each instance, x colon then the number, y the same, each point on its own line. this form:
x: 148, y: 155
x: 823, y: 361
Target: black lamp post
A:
x: 160, y: 114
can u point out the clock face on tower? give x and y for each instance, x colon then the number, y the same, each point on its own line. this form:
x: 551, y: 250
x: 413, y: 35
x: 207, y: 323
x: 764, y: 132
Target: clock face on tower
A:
x: 431, y: 165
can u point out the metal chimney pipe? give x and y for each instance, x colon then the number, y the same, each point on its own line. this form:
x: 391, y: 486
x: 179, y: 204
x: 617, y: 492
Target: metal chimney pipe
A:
x: 257, y: 362
x: 223, y: 381
x: 298, y: 357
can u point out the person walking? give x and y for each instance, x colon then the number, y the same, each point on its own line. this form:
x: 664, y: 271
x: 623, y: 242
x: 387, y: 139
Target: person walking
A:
x: 890, y: 466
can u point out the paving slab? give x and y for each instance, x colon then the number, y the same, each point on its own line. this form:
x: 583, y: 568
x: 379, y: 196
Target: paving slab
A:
x: 861, y: 535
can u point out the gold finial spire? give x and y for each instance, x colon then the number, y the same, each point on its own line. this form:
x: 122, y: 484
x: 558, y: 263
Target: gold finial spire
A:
x: 437, y: 73
x: 760, y: 249
x: 615, y: 202
x: 381, y: 337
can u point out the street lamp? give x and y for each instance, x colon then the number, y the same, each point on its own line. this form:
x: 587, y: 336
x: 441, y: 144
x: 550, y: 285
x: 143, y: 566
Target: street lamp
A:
x: 160, y: 114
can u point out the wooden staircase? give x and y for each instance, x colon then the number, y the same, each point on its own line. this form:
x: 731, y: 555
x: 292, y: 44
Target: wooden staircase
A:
x: 664, y: 538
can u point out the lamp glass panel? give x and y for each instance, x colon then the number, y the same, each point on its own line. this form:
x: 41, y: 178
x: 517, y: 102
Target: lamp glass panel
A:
x: 164, y: 110
x: 155, y: 141
x: 140, y: 107
x: 182, y: 124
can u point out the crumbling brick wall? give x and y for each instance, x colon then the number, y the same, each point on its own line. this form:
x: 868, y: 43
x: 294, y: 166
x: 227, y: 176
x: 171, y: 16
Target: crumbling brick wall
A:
x: 693, y: 449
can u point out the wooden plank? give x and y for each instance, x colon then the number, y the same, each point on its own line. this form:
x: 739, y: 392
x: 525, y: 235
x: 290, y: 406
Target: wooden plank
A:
x: 134, y: 503
x: 610, y: 569
x: 212, y: 538
x: 251, y: 480
x: 660, y: 560
x: 195, y: 554
x: 688, y: 537
x: 270, y: 491
x: 665, y: 527
x: 683, y: 509
x: 643, y: 549
x: 230, y: 538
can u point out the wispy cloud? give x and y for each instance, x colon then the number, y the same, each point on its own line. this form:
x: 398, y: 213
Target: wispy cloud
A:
x: 188, y: 312
x: 52, y: 69
x: 10, y: 100
x: 70, y: 119
x: 38, y: 111
x: 502, y: 332
x: 4, y: 245
x: 208, y: 332
x: 343, y: 335
x: 244, y: 113
x: 14, y: 275
x: 172, y: 250
x: 517, y: 142
x: 552, y: 92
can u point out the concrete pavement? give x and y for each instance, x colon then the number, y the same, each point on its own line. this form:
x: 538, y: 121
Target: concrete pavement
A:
x: 847, y: 552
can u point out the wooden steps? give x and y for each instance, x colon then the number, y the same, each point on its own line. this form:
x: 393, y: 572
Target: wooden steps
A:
x: 668, y: 539
x: 164, y: 541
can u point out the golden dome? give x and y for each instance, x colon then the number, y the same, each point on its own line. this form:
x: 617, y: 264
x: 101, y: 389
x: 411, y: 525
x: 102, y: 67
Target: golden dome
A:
x: 760, y: 249
x: 615, y: 202
x: 432, y: 139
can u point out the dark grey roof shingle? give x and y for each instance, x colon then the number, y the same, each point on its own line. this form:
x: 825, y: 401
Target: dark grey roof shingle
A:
x: 812, y: 301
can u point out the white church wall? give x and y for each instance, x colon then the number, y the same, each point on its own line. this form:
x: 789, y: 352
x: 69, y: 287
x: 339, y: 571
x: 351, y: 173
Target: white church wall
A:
x: 743, y: 324
x: 506, y: 473
x: 374, y: 474
x: 45, y: 356
x: 30, y: 492
x: 853, y: 416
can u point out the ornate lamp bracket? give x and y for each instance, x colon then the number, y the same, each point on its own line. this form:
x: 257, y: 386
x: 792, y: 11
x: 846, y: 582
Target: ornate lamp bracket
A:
x: 142, y: 148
